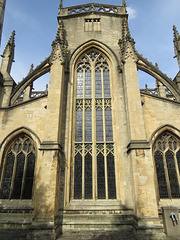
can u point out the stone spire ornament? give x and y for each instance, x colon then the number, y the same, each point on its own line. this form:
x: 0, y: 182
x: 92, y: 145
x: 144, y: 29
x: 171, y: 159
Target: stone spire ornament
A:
x: 59, y: 46
x: 61, y: 4
x: 124, y: 3
x: 177, y: 44
x: 8, y: 54
x: 126, y: 40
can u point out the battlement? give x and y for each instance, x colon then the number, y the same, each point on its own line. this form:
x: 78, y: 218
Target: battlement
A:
x: 93, y: 8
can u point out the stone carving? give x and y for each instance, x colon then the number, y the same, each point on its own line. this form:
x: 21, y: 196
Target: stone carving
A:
x: 177, y: 44
x: 59, y: 46
x: 126, y: 44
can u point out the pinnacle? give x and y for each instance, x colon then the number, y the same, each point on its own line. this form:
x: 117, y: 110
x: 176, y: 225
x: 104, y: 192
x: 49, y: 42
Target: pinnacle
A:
x: 61, y: 4
x: 10, y: 45
x: 124, y: 3
x: 176, y: 33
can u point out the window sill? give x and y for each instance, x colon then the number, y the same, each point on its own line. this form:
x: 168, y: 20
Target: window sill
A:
x: 96, y: 205
x: 16, y: 206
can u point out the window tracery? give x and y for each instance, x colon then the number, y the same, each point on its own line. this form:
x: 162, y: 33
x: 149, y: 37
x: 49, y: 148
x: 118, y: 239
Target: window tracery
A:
x: 167, y: 162
x: 94, y: 168
x: 18, y: 169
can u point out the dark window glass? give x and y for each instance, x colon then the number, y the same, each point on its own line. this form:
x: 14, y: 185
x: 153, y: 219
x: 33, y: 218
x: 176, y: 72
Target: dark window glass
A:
x: 88, y: 84
x: 5, y: 193
x: 107, y: 93
x: 79, y: 124
x: 99, y: 125
x: 163, y: 192
x: 172, y: 175
x: 111, y: 177
x: 18, y: 168
x: 78, y: 177
x: 18, y: 177
x: 88, y: 125
x: 79, y: 92
x: 27, y: 193
x: 88, y: 176
x: 98, y: 84
x: 108, y: 120
x: 101, y: 177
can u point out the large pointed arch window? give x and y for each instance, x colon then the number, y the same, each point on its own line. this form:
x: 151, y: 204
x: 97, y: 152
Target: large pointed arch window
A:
x: 17, y: 170
x: 94, y: 168
x: 167, y: 162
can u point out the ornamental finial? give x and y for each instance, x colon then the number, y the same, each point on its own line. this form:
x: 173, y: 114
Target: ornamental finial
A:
x: 124, y: 3
x: 61, y: 4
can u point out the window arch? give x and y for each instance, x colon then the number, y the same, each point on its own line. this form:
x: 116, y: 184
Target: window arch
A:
x: 17, y: 170
x: 94, y: 168
x: 166, y: 152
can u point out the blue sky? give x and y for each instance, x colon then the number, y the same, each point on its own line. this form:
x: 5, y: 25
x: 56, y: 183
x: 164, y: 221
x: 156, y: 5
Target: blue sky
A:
x: 35, y: 23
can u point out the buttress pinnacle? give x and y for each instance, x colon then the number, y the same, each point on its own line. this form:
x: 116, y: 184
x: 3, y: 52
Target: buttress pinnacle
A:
x: 9, y: 49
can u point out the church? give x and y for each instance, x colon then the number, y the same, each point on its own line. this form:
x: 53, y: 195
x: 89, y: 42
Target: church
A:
x: 93, y: 156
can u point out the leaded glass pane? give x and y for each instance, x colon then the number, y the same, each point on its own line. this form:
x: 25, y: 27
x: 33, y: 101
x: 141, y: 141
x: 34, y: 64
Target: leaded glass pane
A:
x: 5, y: 192
x: 79, y: 125
x: 111, y: 177
x: 107, y: 93
x: 93, y: 120
x: 88, y: 176
x: 101, y: 176
x: 78, y: 177
x: 99, y: 125
x: 163, y: 192
x: 108, y: 121
x: 18, y: 176
x: 88, y: 84
x: 88, y: 125
x: 27, y: 193
x: 19, y: 170
x: 79, y: 90
x: 172, y: 175
x: 98, y: 83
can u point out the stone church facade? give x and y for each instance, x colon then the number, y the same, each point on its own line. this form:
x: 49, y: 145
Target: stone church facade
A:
x: 93, y: 153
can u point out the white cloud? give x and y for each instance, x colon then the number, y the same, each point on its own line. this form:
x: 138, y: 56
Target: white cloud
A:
x: 132, y: 13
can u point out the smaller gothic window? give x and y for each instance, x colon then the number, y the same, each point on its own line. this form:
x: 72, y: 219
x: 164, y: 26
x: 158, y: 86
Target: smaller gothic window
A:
x: 167, y: 163
x: 17, y: 174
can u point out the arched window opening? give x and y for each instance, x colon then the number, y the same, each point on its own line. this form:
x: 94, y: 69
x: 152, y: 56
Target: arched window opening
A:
x: 167, y: 162
x: 94, y: 168
x: 18, y: 169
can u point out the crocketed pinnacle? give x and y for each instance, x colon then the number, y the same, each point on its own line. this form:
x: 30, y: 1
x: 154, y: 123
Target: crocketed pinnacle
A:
x: 176, y: 34
x: 61, y: 4
x: 31, y: 69
x: 177, y: 44
x: 10, y: 46
x: 124, y: 3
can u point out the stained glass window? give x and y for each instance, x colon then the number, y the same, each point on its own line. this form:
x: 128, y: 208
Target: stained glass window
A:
x: 19, y: 162
x: 94, y: 165
x: 167, y: 162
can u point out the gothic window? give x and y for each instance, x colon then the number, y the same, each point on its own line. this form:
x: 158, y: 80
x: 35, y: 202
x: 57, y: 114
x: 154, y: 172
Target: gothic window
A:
x: 17, y: 172
x: 94, y: 168
x: 167, y: 162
